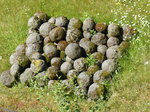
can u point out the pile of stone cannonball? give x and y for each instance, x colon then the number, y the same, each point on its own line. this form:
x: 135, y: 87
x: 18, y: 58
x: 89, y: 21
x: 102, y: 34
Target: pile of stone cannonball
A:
x: 68, y: 50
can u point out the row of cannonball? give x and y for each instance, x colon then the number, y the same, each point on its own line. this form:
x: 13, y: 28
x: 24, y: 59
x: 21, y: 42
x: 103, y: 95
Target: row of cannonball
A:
x: 58, y: 48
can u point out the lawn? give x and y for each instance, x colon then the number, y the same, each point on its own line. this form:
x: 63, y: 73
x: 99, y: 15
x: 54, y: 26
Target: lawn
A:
x: 129, y: 91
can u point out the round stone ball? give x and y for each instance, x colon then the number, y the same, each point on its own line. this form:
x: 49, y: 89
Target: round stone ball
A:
x: 87, y: 45
x: 72, y: 75
x: 100, y: 76
x: 61, y: 21
x: 73, y: 51
x: 20, y: 49
x: 84, y: 80
x: 99, y: 39
x: 16, y: 70
x: 32, y: 48
x: 38, y: 65
x: 34, y: 22
x: 109, y: 65
x: 88, y: 24
x: 50, y: 50
x: 52, y: 20
x: 112, y: 41
x: 21, y: 60
x: 62, y: 45
x: 99, y: 57
x: 34, y: 38
x: 26, y: 76
x: 113, y: 30
x: 57, y: 34
x: 102, y: 49
x: 87, y: 34
x: 73, y: 35
x: 45, y: 28
x: 128, y: 32
x: 101, y: 27
x: 56, y: 62
x: 80, y: 64
x: 92, y: 69
x: 7, y: 79
x: 112, y: 52
x: 52, y: 73
x: 75, y: 24
x: 123, y: 46
x: 95, y: 91
x: 42, y: 16
x: 65, y: 67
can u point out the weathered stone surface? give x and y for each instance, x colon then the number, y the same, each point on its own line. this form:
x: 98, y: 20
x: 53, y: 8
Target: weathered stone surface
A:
x: 72, y: 75
x: 57, y: 34
x: 45, y: 28
x: 80, y: 64
x: 61, y: 21
x: 128, y: 32
x: 34, y: 38
x: 95, y: 91
x: 26, y: 76
x: 42, y: 16
x: 84, y: 80
x: 41, y: 79
x: 87, y: 34
x: 112, y: 52
x: 6, y: 78
x: 101, y: 27
x: 123, y: 46
x: 99, y: 39
x: 38, y: 65
x: 50, y: 50
x: 99, y: 57
x: 100, y: 76
x: 56, y: 62
x: 31, y: 30
x: 65, y: 67
x: 16, y: 70
x: 87, y: 45
x: 88, y: 24
x: 112, y: 41
x: 73, y: 35
x: 52, y: 73
x: 92, y: 69
x: 114, y: 30
x: 21, y: 60
x: 20, y: 49
x: 102, y: 49
x: 109, y: 65
x: 34, y: 22
x: 33, y: 48
x: 75, y: 24
x: 52, y: 20
x: 73, y: 51
x: 62, y: 45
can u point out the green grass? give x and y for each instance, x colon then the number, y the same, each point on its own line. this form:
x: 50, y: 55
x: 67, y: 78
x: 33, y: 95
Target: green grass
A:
x: 130, y: 88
